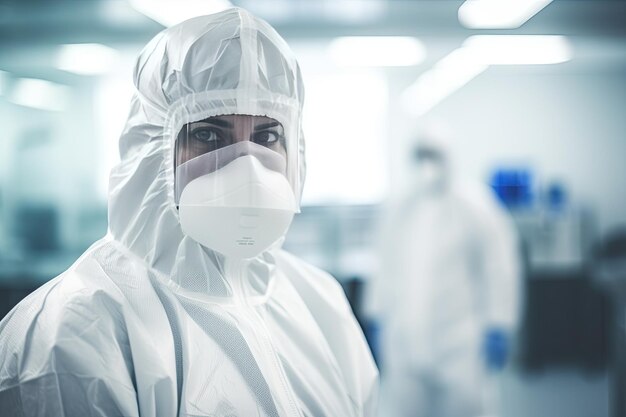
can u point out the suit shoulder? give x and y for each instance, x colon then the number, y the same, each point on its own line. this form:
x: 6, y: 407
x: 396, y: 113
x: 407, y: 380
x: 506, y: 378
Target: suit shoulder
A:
x: 311, y: 281
x: 69, y: 311
x: 298, y: 268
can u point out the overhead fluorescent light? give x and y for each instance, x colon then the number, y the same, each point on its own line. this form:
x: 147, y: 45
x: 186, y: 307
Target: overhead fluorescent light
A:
x: 171, y: 12
x: 352, y: 11
x: 499, y: 14
x: 447, y: 76
x: 344, y: 11
x: 519, y: 49
x: 39, y: 94
x: 377, y: 51
x: 476, y: 55
x: 86, y: 58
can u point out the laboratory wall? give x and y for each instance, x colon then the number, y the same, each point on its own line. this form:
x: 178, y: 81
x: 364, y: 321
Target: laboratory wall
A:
x: 564, y: 123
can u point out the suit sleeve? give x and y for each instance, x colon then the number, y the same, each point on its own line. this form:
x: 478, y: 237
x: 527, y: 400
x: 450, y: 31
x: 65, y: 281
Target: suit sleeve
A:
x: 65, y: 358
x: 500, y: 267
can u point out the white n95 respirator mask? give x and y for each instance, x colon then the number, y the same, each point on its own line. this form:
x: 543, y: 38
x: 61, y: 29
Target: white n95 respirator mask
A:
x: 239, y: 210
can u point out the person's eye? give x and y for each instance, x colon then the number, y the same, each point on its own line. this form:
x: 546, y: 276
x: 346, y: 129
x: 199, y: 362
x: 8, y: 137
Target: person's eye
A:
x: 206, y: 134
x: 266, y: 137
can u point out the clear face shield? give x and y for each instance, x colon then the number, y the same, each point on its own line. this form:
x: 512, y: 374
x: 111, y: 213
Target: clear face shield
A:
x: 208, y: 145
x: 233, y: 182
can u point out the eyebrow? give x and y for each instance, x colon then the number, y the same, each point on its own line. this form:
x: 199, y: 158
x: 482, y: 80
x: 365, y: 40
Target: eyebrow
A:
x: 217, y: 122
x: 266, y: 125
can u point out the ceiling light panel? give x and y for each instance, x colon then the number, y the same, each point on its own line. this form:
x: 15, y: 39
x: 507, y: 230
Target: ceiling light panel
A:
x: 499, y: 14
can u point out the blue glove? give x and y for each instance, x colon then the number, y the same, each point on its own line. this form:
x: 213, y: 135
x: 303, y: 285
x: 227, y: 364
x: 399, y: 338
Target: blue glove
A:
x: 496, y: 348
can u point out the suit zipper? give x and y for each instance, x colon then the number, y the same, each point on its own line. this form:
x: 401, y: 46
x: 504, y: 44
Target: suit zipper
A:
x: 263, y: 337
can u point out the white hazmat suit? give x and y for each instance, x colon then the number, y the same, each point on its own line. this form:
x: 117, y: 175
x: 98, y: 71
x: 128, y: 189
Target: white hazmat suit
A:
x: 449, y: 271
x: 148, y: 322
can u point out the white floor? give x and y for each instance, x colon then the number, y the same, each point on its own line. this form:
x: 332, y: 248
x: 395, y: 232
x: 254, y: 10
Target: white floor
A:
x: 551, y: 394
x: 556, y: 394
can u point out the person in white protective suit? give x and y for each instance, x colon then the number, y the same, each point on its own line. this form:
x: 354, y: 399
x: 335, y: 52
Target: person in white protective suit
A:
x: 188, y: 307
x: 447, y: 294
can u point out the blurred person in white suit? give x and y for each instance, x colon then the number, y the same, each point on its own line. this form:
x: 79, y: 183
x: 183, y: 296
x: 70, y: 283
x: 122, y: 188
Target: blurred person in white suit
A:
x: 448, y: 293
